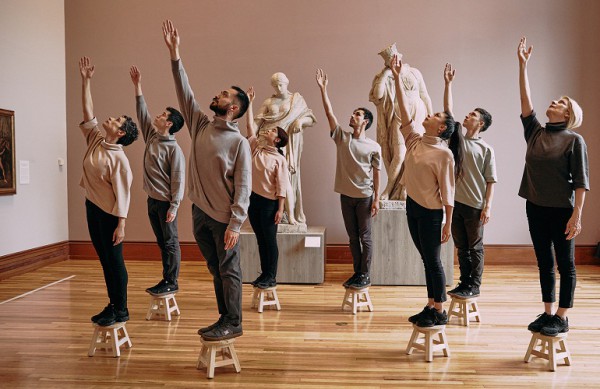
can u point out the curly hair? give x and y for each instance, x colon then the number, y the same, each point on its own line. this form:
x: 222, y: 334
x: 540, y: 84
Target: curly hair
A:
x: 131, y: 132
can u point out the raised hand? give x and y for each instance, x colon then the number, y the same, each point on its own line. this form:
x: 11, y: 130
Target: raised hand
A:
x: 251, y: 94
x: 449, y: 73
x: 523, y: 52
x: 321, y: 79
x: 136, y: 76
x: 170, y: 35
x: 86, y: 70
x: 396, y: 66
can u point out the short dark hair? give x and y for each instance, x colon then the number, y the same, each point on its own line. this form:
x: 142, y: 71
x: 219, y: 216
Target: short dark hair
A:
x: 131, y: 132
x: 368, y: 115
x: 486, y: 117
x: 243, y: 101
x: 175, y: 119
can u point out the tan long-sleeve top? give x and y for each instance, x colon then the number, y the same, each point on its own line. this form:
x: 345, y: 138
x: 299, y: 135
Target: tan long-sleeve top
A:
x: 106, y: 175
x: 269, y: 171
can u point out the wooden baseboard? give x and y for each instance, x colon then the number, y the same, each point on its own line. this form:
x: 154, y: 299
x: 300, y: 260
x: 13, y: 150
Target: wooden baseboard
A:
x: 29, y: 260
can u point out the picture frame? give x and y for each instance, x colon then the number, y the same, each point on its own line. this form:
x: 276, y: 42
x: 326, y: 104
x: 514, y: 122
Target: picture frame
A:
x: 8, y: 177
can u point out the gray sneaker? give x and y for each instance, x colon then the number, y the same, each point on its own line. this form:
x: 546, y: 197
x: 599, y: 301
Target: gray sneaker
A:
x: 223, y: 332
x: 211, y: 327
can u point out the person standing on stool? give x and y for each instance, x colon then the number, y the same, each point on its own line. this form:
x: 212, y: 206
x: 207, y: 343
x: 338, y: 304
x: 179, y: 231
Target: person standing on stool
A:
x: 270, y: 182
x: 107, y: 182
x: 554, y: 183
x: 431, y: 168
x: 473, y: 196
x: 219, y: 184
x: 164, y: 177
x: 357, y: 157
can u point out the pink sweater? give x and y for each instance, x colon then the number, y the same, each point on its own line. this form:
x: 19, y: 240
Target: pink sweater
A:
x: 428, y: 169
x: 269, y: 171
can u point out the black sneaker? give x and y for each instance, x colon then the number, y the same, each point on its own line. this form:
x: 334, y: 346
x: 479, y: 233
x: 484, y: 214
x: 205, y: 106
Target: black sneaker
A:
x: 537, y: 324
x: 121, y: 315
x: 265, y: 284
x: 350, y: 280
x: 432, y: 318
x: 108, y: 319
x: 415, y: 318
x: 222, y: 332
x: 166, y: 288
x: 555, y: 325
x: 211, y: 327
x: 104, y: 312
x: 260, y: 278
x: 466, y: 292
x: 360, y: 282
x: 153, y: 289
x: 459, y: 287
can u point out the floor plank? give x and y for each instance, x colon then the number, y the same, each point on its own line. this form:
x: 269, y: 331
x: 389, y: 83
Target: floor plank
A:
x: 310, y: 343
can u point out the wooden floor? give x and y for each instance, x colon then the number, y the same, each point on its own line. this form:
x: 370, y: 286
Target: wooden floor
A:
x: 44, y: 335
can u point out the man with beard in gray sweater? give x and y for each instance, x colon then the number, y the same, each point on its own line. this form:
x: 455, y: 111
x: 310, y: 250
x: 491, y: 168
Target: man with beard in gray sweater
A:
x: 219, y: 185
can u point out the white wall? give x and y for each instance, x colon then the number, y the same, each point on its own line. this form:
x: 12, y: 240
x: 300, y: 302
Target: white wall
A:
x: 32, y: 83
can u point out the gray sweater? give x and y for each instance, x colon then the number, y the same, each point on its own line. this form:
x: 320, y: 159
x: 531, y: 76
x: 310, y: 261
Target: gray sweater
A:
x: 164, y: 163
x: 220, y: 172
x: 556, y: 164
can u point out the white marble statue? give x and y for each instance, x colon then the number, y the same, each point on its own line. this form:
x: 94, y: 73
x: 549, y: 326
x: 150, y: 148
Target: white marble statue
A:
x: 383, y: 95
x: 289, y: 111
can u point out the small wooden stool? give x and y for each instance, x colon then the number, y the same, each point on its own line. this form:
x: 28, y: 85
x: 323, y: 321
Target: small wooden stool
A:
x: 265, y: 298
x: 211, y: 350
x: 110, y: 337
x: 465, y: 309
x: 429, y: 343
x: 551, y: 348
x: 162, y: 306
x: 356, y: 298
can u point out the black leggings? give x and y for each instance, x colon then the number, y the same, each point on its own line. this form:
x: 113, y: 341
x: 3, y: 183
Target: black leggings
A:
x: 262, y: 219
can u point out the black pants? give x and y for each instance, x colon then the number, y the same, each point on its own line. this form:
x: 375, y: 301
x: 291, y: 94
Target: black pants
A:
x: 467, y: 232
x: 425, y: 226
x: 262, y: 219
x: 166, y: 237
x: 224, y: 265
x: 547, y: 228
x: 101, y: 226
x: 357, y: 219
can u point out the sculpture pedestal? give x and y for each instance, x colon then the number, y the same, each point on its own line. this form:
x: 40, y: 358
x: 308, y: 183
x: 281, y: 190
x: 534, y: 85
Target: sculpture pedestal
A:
x: 301, y: 256
x: 396, y: 260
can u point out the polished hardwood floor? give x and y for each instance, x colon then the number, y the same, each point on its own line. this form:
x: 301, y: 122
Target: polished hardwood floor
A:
x: 45, y: 334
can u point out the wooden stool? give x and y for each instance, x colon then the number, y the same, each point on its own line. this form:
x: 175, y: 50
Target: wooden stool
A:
x: 429, y: 344
x: 265, y: 298
x: 551, y: 348
x: 162, y: 306
x: 356, y: 298
x: 221, y: 348
x: 110, y: 337
x: 464, y: 309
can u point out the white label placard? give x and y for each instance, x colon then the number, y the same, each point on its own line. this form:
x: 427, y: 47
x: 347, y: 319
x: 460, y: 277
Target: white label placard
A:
x: 312, y: 241
x: 24, y: 172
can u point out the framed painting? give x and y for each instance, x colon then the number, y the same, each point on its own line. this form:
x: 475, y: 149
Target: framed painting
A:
x: 8, y: 179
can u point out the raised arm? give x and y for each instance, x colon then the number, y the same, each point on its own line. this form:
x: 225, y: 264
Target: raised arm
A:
x: 250, y: 125
x: 192, y: 114
x: 322, y: 82
x: 141, y: 108
x: 87, y: 72
x: 523, y: 53
x: 448, y: 78
x: 396, y: 69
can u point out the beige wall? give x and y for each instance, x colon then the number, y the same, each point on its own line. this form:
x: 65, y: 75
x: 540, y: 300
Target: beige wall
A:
x: 32, y: 83
x: 244, y: 42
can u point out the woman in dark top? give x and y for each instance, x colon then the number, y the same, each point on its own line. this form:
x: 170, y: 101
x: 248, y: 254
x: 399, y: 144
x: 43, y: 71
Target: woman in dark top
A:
x: 554, y: 183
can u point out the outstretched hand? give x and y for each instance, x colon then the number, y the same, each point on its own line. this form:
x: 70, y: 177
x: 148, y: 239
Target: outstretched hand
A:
x: 250, y: 93
x: 136, y: 76
x: 523, y: 52
x: 170, y: 35
x: 396, y: 65
x: 321, y: 79
x: 449, y: 73
x: 86, y: 70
